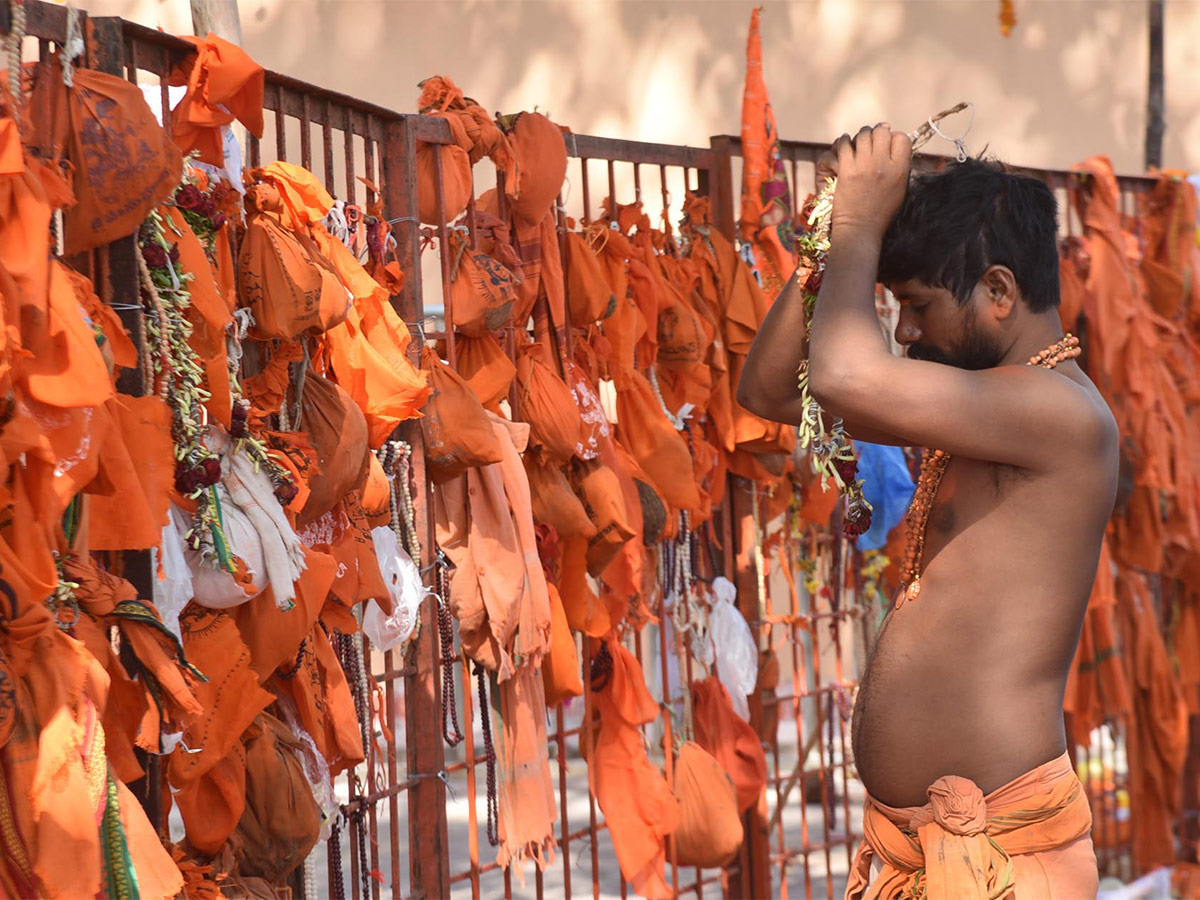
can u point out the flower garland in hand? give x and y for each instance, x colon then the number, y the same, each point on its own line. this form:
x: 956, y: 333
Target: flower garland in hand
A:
x: 833, y: 453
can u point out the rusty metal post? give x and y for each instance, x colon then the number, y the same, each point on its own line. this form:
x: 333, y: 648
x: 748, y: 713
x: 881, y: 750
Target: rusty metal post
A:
x: 428, y: 847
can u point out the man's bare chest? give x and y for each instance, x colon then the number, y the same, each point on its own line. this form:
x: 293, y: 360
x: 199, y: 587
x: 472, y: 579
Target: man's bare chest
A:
x: 972, y: 491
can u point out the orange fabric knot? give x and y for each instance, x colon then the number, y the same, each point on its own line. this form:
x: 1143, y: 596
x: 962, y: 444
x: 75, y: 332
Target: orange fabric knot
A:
x: 956, y: 804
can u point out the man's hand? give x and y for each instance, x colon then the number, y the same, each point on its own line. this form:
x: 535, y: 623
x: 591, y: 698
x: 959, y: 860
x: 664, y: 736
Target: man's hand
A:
x: 872, y: 176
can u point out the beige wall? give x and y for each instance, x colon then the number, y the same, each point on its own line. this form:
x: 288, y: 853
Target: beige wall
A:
x: 1069, y: 83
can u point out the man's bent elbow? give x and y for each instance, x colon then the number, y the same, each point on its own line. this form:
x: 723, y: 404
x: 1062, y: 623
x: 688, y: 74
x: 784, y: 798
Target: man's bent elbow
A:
x: 750, y: 397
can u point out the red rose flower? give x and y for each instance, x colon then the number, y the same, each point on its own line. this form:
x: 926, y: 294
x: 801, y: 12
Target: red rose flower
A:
x: 189, y: 197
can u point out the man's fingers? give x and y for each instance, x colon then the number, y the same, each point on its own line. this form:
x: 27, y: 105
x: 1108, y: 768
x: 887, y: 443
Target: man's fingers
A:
x: 900, y: 147
x: 843, y: 147
x: 862, y: 140
x: 881, y: 139
x: 826, y: 167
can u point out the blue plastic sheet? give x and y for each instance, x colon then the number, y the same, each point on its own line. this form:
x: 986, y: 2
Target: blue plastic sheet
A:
x: 887, y: 486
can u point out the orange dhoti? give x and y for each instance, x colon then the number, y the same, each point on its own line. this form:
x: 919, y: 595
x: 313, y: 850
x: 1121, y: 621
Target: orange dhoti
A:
x: 1028, y: 840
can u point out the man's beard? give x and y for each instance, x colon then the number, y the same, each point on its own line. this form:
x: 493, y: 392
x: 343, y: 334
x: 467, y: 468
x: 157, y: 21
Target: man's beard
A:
x: 975, y: 350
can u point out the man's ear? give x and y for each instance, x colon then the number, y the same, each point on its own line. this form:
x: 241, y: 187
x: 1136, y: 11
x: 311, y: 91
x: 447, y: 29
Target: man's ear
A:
x: 1000, y: 291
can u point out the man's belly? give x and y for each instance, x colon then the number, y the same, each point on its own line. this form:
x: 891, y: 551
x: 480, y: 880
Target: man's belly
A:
x: 937, y: 700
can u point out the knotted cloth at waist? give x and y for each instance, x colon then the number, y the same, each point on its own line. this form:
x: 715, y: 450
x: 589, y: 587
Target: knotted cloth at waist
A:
x: 959, y: 845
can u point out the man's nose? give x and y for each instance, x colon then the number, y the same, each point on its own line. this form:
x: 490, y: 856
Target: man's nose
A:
x: 907, y: 331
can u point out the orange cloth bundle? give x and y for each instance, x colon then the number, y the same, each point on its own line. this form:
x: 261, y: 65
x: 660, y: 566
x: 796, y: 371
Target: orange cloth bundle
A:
x: 281, y: 820
x: 602, y: 496
x: 646, y: 432
x: 283, y: 277
x: 458, y: 433
x: 541, y: 163
x: 338, y: 432
x: 473, y: 128
x: 212, y: 804
x: 369, y: 355
x: 553, y: 501
x: 482, y: 291
x: 638, y: 807
x: 546, y: 403
x: 710, y: 827
x: 730, y: 739
x: 560, y: 667
x: 223, y: 84
x: 317, y: 685
x: 125, y: 165
x: 589, y: 296
x: 487, y: 369
x: 129, y: 498
x: 62, y: 366
x: 456, y: 181
x: 231, y: 697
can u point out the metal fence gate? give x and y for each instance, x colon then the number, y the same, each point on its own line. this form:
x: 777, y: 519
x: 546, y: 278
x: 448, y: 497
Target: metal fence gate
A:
x: 412, y: 825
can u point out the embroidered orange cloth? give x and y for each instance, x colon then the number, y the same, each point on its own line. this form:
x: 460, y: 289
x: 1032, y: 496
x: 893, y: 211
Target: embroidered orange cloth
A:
x: 1028, y: 839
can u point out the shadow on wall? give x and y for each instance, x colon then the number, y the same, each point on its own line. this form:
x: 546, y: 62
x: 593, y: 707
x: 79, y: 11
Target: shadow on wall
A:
x: 1068, y: 84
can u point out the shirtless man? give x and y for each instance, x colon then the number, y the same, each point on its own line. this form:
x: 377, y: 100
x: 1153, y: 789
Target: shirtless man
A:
x: 967, y: 678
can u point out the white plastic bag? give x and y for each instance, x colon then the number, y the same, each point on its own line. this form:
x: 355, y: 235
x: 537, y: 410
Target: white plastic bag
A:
x: 733, y: 645
x: 173, y: 591
x: 403, y: 579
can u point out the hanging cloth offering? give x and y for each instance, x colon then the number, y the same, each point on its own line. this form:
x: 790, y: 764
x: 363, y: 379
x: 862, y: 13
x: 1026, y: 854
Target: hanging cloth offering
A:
x: 286, y: 281
x: 638, y: 806
x: 338, y: 432
x: 125, y: 165
x: 482, y: 291
x: 710, y: 828
x: 223, y: 84
x: 541, y: 163
x: 458, y: 434
x: 589, y: 296
x: 546, y: 402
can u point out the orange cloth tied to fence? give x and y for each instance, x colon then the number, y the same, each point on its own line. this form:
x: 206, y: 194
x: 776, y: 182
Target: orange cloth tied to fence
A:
x: 498, y: 590
x: 637, y: 804
x: 1025, y: 840
x: 729, y: 738
x: 223, y: 84
x: 527, y: 808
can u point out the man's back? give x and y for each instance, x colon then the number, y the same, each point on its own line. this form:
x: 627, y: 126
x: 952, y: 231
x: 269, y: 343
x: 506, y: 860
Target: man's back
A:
x: 969, y: 677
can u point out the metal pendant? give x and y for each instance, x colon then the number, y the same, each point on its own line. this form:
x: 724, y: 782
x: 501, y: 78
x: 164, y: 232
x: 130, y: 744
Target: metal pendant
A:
x: 914, y: 590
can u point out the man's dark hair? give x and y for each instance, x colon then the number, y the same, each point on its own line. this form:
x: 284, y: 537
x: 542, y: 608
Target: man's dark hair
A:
x: 955, y: 223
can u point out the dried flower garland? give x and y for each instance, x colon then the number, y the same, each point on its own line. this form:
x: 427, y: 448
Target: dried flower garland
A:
x: 832, y: 451
x: 178, y: 375
x: 202, y: 206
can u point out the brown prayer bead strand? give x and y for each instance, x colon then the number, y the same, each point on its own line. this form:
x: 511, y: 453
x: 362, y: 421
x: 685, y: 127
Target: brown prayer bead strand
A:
x: 446, y: 639
x: 489, y: 752
x: 933, y: 467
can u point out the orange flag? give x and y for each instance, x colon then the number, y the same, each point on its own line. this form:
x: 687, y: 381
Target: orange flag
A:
x: 766, y: 201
